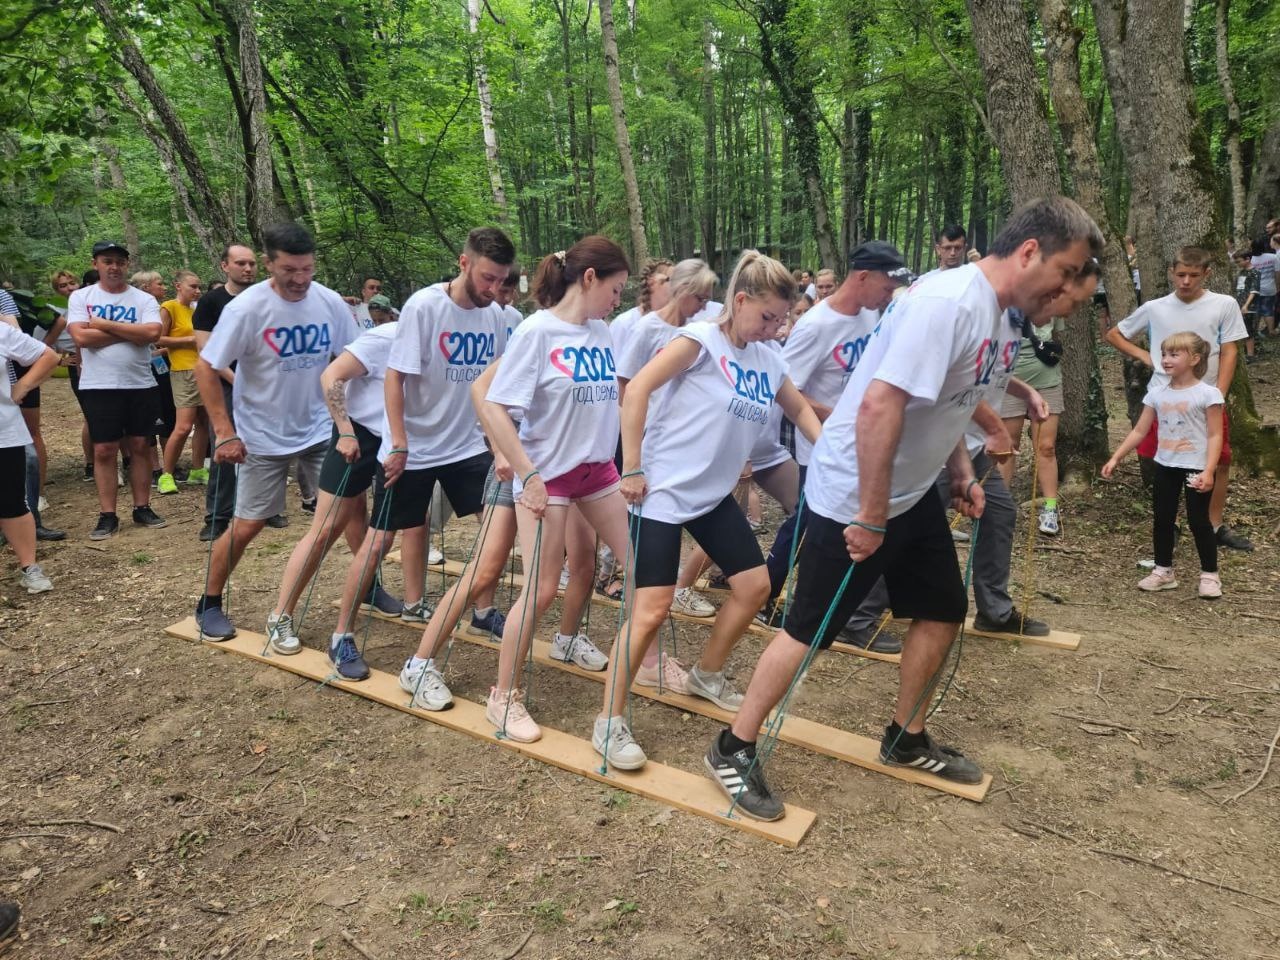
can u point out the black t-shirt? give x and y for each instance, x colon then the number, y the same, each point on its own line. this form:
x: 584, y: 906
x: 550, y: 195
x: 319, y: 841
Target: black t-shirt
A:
x: 209, y: 309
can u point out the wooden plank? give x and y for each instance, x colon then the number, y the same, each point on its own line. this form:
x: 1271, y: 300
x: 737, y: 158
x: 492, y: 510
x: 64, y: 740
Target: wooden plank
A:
x: 1056, y: 640
x: 691, y: 792
x: 453, y: 568
x: 808, y: 734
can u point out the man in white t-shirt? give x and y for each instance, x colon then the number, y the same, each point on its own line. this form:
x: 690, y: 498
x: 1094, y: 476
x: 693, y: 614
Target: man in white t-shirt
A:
x: 372, y: 287
x: 821, y: 355
x: 1216, y: 318
x: 447, y: 336
x: 114, y: 325
x: 280, y: 334
x: 870, y: 488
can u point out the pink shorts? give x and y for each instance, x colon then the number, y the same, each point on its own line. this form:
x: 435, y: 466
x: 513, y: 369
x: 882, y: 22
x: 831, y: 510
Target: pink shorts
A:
x: 589, y: 481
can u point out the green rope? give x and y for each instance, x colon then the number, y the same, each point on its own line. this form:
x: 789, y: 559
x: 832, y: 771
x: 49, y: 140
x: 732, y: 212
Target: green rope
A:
x: 383, y: 515
x: 208, y: 560
x: 324, y: 522
x: 530, y: 598
x: 628, y: 586
x: 469, y: 571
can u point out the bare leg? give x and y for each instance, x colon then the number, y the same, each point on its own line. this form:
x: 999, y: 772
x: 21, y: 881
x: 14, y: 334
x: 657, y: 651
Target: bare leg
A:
x: 650, y: 606
x: 413, y: 563
x: 1014, y: 426
x: 539, y: 588
x: 326, y: 526
x: 184, y: 423
x: 693, y: 567
x: 104, y: 474
x: 1218, y: 496
x: 1047, y: 457
x: 21, y: 534
x: 360, y: 575
x: 227, y: 549
x: 774, y: 672
x: 139, y: 469
x: 749, y: 590
x: 923, y: 651
x: 580, y: 547
x: 480, y: 576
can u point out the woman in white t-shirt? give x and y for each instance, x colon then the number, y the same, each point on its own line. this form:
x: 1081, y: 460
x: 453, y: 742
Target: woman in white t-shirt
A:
x: 655, y: 293
x: 557, y: 377
x: 1190, y: 441
x: 713, y: 390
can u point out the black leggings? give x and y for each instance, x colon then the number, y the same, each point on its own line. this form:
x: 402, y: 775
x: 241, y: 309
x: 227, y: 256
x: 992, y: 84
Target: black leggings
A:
x: 1168, y: 485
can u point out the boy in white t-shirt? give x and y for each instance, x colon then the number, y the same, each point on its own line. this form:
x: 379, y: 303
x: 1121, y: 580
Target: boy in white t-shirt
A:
x: 902, y: 416
x: 280, y: 334
x: 1216, y: 318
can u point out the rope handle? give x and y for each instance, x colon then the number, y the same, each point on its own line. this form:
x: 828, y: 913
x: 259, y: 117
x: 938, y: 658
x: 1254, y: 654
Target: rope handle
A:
x: 632, y: 473
x: 394, y: 450
x: 222, y: 443
x: 524, y: 482
x: 352, y: 436
x: 869, y: 526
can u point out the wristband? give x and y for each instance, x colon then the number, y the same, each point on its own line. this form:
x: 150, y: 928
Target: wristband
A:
x: 868, y: 526
x: 223, y: 443
x: 529, y: 476
x: 349, y: 436
x: 394, y: 450
x: 632, y: 473
x: 970, y: 486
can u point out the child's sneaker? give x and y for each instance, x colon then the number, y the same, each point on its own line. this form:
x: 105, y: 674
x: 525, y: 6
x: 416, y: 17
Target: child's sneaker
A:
x: 1210, y: 586
x: 1161, y: 578
x: 1049, y: 522
x: 611, y: 736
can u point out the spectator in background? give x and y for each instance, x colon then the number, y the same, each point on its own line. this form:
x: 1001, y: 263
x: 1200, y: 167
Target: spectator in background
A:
x: 371, y: 288
x: 64, y: 284
x: 824, y: 284
x: 179, y: 338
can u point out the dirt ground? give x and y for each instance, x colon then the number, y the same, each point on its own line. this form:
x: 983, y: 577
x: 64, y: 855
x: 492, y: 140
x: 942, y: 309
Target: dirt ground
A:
x: 239, y: 811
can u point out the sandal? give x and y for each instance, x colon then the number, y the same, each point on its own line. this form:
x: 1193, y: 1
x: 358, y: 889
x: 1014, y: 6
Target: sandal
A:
x: 611, y: 589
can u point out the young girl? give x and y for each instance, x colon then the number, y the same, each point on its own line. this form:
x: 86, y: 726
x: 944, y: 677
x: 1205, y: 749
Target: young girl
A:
x: 557, y: 376
x: 683, y: 457
x: 1190, y: 430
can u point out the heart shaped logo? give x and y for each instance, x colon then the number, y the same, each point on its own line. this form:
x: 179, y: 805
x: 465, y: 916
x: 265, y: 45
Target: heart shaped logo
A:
x: 724, y: 365
x: 443, y: 337
x: 843, y: 362
x: 556, y: 362
x: 272, y: 336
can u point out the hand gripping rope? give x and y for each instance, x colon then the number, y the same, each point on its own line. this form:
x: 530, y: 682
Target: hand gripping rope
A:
x: 628, y: 599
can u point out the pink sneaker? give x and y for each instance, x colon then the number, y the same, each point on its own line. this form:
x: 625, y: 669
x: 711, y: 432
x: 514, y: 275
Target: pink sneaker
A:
x: 1210, y: 586
x: 675, y: 678
x: 1161, y: 578
x: 507, y: 713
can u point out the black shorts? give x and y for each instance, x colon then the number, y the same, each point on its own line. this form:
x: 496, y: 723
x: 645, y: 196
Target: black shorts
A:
x: 166, y: 413
x: 917, y: 560
x: 1251, y: 324
x: 724, y: 533
x: 13, y: 482
x: 115, y: 414
x: 73, y: 374
x: 32, y: 400
x: 462, y: 482
x: 335, y: 465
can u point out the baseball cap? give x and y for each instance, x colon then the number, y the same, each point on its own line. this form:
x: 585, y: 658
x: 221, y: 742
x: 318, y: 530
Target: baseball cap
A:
x: 881, y: 256
x: 107, y: 246
x: 379, y: 302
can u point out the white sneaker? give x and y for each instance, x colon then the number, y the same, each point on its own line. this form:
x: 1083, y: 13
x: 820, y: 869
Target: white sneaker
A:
x: 280, y: 635
x: 508, y: 714
x: 35, y: 581
x: 715, y: 687
x: 691, y: 603
x: 427, y: 686
x: 1049, y: 525
x: 564, y: 576
x: 674, y: 678
x: 42, y: 503
x: 578, y: 650
x: 434, y: 557
x: 622, y: 751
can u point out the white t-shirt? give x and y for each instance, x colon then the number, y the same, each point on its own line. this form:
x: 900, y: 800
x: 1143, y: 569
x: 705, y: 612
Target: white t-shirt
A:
x: 821, y: 354
x: 710, y: 311
x: 975, y: 439
x: 558, y: 379
x: 811, y: 291
x: 768, y: 450
x: 702, y: 432
x: 620, y: 329
x: 940, y: 343
x: 361, y: 314
x: 366, y: 398
x: 1213, y: 316
x: 442, y: 349
x: 1265, y: 264
x: 280, y: 348
x: 122, y: 365
x: 23, y: 350
x: 514, y: 319
x: 1183, y: 426
x: 648, y: 335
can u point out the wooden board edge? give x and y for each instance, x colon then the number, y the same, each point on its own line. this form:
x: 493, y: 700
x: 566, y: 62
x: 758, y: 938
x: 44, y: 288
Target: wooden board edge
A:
x: 1056, y: 640
x: 687, y: 791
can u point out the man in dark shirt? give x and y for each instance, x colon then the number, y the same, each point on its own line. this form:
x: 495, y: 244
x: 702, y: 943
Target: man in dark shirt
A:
x: 240, y: 267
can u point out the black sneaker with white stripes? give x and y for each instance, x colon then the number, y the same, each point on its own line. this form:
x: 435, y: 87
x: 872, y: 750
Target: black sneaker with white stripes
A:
x: 921, y: 752
x: 730, y: 772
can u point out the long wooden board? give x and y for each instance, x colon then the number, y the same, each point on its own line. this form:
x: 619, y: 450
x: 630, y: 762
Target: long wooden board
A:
x: 1057, y: 639
x: 679, y: 788
x: 453, y: 568
x: 808, y: 734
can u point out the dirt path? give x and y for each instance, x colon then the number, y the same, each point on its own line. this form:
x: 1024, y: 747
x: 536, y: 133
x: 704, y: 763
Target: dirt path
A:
x: 262, y: 816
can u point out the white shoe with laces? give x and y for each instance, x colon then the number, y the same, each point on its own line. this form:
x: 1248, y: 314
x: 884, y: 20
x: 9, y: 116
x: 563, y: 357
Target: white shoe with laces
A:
x: 434, y: 557
x: 674, y: 677
x: 427, y: 686
x: 578, y: 650
x: 281, y: 636
x: 34, y: 580
x: 691, y: 603
x: 612, y: 739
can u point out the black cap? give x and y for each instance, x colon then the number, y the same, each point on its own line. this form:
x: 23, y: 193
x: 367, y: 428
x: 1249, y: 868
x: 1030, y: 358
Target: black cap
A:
x: 106, y: 246
x: 881, y: 256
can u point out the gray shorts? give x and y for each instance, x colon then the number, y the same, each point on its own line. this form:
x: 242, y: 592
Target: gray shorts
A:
x: 1011, y: 406
x: 503, y: 490
x: 260, y: 481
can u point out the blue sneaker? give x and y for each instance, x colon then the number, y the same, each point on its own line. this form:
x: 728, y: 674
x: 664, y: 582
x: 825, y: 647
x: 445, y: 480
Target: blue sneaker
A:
x: 214, y: 624
x: 346, y: 659
x: 490, y: 626
x: 381, y: 601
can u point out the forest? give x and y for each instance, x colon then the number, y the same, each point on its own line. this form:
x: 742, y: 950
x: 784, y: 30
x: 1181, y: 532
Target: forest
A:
x: 800, y: 127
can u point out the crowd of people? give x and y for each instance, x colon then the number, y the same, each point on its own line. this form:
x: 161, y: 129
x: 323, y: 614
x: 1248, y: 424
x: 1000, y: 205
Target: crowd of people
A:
x: 866, y: 405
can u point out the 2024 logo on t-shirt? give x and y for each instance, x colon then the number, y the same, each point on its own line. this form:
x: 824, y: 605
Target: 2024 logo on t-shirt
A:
x: 848, y: 354
x: 584, y: 364
x: 115, y: 312
x: 303, y: 339
x: 466, y: 347
x: 753, y: 395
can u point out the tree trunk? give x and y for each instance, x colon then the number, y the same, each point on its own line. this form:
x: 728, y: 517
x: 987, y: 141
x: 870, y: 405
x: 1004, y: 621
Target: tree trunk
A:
x: 1264, y: 191
x: 766, y: 148
x: 562, y: 12
x: 486, y: 116
x: 262, y: 208
x: 212, y: 213
x: 978, y: 197
x: 118, y: 187
x: 635, y: 211
x: 1232, y: 132
x: 710, y: 175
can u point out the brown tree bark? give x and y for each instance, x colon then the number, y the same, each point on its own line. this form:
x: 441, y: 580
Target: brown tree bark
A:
x: 262, y: 209
x: 563, y: 9
x: 1231, y: 133
x: 635, y: 210
x: 1264, y: 187
x: 118, y: 186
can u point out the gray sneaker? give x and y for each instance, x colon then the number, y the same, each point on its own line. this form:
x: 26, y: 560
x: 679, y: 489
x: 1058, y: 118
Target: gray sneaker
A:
x: 715, y: 687
x: 378, y: 599
x: 35, y: 581
x: 417, y: 612
x: 281, y: 637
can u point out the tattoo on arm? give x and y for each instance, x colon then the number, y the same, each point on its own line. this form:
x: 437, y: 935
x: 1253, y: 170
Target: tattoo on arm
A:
x: 335, y: 399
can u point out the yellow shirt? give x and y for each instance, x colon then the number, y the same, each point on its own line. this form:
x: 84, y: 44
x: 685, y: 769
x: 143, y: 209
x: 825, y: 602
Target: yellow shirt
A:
x: 181, y: 358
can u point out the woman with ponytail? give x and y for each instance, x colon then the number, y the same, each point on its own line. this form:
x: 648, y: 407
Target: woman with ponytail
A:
x: 713, y: 389
x: 557, y: 378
